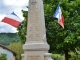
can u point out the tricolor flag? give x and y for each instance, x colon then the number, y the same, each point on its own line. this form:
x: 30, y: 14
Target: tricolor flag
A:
x: 12, y: 19
x: 58, y: 14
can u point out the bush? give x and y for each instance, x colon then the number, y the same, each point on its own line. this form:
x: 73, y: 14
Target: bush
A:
x: 17, y: 47
x: 57, y: 57
x: 74, y: 56
x: 3, y: 57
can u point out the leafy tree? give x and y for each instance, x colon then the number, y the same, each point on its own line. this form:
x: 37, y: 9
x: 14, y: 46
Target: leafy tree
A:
x: 68, y: 38
x: 61, y: 40
x: 17, y: 47
x: 23, y: 27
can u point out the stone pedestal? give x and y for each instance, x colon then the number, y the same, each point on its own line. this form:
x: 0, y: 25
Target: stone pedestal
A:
x: 35, y: 51
x: 22, y: 55
x: 47, y: 56
x: 36, y: 47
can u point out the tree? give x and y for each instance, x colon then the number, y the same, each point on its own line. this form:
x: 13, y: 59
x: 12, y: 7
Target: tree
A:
x: 68, y: 38
x: 23, y: 27
x: 17, y: 47
x: 62, y: 40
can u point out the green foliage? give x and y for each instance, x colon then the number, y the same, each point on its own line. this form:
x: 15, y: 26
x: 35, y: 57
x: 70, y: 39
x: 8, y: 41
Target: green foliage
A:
x: 69, y: 37
x: 3, y: 57
x: 7, y: 38
x: 74, y: 56
x: 59, y: 39
x: 58, y: 57
x: 17, y: 47
x: 23, y: 27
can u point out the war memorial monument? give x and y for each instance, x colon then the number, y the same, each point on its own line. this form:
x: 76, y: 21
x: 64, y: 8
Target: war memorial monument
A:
x: 36, y: 46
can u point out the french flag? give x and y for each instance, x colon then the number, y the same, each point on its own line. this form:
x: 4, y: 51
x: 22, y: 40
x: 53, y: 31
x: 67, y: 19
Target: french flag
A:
x: 59, y: 16
x: 12, y: 19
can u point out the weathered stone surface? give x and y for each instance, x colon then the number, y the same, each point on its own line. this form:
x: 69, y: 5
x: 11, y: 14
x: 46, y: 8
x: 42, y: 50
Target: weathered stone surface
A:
x: 36, y: 45
x: 36, y: 22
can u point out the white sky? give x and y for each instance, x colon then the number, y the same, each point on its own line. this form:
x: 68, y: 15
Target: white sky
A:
x: 8, y: 6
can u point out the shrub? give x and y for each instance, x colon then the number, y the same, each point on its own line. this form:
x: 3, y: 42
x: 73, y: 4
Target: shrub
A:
x: 17, y: 47
x: 3, y: 57
x: 57, y: 57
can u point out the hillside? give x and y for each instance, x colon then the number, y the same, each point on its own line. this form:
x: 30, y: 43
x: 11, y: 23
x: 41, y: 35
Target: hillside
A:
x: 7, y: 38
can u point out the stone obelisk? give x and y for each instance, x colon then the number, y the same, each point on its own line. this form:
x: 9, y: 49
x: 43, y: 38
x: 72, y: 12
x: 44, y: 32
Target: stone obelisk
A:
x: 36, y: 47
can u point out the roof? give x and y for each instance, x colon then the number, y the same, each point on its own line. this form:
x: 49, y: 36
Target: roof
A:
x: 14, y: 53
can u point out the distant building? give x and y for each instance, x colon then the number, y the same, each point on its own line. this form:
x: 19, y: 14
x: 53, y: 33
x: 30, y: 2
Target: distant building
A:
x: 11, y: 55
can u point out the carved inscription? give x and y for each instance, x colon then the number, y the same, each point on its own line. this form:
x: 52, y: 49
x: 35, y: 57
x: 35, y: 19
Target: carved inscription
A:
x: 33, y: 57
x: 34, y: 28
x: 33, y: 2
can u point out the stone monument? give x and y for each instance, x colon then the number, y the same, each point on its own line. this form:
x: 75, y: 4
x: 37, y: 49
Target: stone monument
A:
x: 36, y: 47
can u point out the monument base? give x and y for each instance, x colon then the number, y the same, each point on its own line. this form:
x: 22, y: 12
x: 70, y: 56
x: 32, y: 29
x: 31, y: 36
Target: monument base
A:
x: 36, y: 51
x: 36, y: 46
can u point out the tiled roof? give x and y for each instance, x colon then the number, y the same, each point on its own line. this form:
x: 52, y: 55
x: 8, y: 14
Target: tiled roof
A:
x: 8, y: 49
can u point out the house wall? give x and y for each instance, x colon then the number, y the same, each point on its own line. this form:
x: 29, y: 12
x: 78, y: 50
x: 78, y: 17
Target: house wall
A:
x: 9, y: 54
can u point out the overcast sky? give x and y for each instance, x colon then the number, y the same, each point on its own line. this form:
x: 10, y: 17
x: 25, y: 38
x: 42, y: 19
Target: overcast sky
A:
x: 8, y: 6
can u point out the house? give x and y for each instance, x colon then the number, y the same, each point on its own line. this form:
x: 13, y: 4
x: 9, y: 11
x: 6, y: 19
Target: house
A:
x: 11, y: 55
